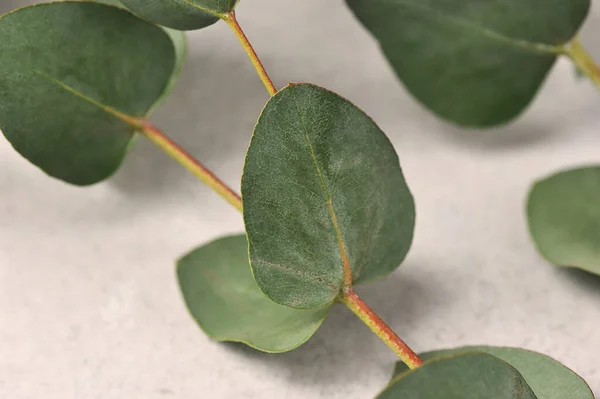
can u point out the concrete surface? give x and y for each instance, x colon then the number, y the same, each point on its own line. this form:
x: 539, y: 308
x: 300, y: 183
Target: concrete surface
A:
x: 89, y: 306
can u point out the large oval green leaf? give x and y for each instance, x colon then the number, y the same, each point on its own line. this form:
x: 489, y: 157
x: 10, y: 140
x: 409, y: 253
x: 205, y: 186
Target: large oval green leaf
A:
x: 221, y: 295
x: 563, y: 212
x: 547, y: 378
x: 474, y: 63
x: 70, y: 74
x: 464, y: 376
x: 182, y: 14
x: 323, y: 195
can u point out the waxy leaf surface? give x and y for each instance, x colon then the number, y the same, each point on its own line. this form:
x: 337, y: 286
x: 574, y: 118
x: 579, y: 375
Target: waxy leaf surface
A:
x: 547, y: 378
x: 323, y: 193
x: 181, y: 14
x: 476, y: 63
x: 223, y: 298
x: 68, y: 71
x: 464, y: 376
x: 563, y: 211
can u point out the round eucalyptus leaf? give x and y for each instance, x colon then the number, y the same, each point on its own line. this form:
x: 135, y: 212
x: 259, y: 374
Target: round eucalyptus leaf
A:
x: 547, y: 378
x: 71, y: 74
x: 182, y: 14
x: 563, y: 212
x: 476, y: 63
x: 324, y: 198
x: 221, y: 295
x: 463, y: 376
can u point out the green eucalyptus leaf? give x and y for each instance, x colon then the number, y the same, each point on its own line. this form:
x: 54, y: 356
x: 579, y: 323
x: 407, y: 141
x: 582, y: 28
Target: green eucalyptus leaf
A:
x: 547, y: 378
x: 323, y: 194
x: 71, y: 74
x: 463, y: 376
x: 182, y: 14
x: 221, y: 295
x: 476, y: 63
x: 179, y: 43
x: 563, y: 212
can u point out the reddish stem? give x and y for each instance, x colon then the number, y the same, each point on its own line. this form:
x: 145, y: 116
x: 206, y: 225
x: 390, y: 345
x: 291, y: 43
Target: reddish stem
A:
x: 381, y: 329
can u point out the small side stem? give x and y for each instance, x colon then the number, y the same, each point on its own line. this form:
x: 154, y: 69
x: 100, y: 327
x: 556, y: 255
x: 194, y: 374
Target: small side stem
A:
x: 381, y: 329
x: 239, y: 33
x: 584, y: 61
x: 190, y: 163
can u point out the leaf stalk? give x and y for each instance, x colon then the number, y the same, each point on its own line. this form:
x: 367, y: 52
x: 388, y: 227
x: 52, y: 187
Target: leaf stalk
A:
x: 190, y: 163
x: 583, y: 61
x: 380, y: 328
x: 230, y: 19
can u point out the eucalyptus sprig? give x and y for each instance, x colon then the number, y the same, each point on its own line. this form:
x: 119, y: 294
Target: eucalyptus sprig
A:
x: 325, y: 203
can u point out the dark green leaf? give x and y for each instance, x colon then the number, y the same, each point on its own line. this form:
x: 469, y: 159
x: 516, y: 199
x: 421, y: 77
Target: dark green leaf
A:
x: 477, y: 63
x: 315, y: 161
x: 68, y: 70
x: 182, y: 14
x: 221, y: 295
x: 564, y: 218
x: 465, y: 376
x: 547, y: 378
x: 179, y: 42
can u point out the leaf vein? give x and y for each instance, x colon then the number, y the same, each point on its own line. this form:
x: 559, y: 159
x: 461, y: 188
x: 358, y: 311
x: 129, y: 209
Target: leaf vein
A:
x: 492, y: 34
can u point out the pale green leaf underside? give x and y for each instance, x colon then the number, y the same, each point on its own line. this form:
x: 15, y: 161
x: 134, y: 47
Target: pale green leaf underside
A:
x: 473, y: 63
x: 463, y: 376
x: 333, y: 164
x: 67, y: 71
x: 563, y: 212
x: 182, y: 14
x: 547, y: 378
x: 221, y: 295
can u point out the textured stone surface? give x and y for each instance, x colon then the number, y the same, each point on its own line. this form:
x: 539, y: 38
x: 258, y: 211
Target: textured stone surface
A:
x: 88, y: 298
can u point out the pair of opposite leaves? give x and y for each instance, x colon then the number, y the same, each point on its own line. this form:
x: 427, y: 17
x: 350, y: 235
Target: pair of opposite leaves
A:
x: 339, y: 183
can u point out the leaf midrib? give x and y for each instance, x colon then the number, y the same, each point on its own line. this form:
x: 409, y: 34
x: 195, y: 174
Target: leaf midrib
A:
x: 109, y: 110
x: 347, y: 270
x: 543, y: 48
x: 204, y: 9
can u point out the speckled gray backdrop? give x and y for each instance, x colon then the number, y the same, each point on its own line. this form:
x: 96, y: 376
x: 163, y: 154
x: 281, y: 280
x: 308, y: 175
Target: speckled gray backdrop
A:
x: 89, y: 306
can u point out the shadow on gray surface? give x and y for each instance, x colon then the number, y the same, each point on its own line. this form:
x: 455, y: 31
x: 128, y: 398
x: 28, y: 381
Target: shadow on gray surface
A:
x: 505, y: 138
x: 344, y: 346
x: 211, y: 114
x: 587, y: 281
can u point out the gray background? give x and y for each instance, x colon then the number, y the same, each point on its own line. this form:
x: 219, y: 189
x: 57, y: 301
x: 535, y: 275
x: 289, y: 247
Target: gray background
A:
x: 89, y: 306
